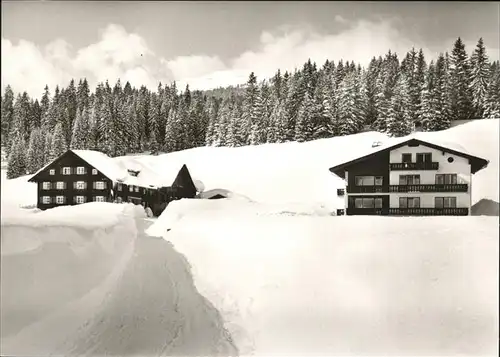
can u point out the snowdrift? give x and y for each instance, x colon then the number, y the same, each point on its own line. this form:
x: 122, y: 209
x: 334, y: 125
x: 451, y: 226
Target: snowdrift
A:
x: 309, y: 285
x: 85, y: 280
x: 46, y: 264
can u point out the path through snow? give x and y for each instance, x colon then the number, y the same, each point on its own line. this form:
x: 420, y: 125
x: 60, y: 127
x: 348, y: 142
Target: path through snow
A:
x: 151, y: 308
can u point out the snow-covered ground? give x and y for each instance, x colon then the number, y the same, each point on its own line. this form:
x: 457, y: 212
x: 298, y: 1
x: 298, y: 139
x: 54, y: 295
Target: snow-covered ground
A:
x: 280, y: 273
x: 92, y: 283
x: 317, y: 285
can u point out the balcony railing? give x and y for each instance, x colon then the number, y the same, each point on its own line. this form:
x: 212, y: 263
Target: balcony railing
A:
x: 366, y: 211
x: 367, y: 189
x: 430, y: 188
x: 401, y: 166
x: 428, y: 211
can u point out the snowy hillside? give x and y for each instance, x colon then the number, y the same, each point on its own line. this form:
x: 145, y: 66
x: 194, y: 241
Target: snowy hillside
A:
x: 296, y: 172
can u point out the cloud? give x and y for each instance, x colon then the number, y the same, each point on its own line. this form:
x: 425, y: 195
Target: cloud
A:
x: 194, y: 66
x: 289, y: 47
x: 117, y: 54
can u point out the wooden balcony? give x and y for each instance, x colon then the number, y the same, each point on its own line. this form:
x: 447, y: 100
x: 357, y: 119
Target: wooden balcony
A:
x: 430, y: 188
x: 405, y: 166
x: 428, y: 211
x: 366, y: 211
x: 367, y: 189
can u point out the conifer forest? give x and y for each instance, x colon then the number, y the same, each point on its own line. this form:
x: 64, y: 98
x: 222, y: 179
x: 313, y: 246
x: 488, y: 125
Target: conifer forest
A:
x: 315, y: 101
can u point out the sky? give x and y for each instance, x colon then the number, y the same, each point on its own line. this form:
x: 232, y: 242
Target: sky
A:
x: 217, y: 43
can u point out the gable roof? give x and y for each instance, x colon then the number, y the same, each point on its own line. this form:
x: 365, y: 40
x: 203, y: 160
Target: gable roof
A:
x: 477, y: 163
x: 116, y: 169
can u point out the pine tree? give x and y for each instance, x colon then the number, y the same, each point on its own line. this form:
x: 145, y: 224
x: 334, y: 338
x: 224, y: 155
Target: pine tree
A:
x: 303, y: 127
x: 36, y: 151
x: 45, y: 102
x: 81, y: 129
x: 460, y: 76
x: 399, y: 122
x: 492, y: 103
x: 350, y: 105
x: 58, y: 145
x: 479, y: 78
x: 17, y: 159
x: 258, y: 127
x: 212, y: 119
x: 83, y: 95
x: 7, y: 117
x: 47, y: 152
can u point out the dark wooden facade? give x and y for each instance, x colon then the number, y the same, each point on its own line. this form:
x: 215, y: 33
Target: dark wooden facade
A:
x: 119, y: 192
x: 70, y: 159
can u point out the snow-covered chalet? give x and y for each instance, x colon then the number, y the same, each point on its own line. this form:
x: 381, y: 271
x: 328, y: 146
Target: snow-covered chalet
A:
x: 80, y: 176
x: 409, y: 176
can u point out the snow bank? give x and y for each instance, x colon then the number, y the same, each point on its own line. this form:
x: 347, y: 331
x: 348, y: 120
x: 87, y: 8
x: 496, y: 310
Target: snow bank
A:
x: 92, y: 215
x: 46, y: 264
x: 346, y: 285
x: 101, y: 291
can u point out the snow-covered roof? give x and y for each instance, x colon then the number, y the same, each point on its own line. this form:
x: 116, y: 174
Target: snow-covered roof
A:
x: 152, y: 172
x: 102, y: 162
x: 426, y: 137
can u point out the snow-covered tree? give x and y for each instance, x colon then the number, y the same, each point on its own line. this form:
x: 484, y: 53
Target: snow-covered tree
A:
x: 81, y: 129
x: 461, y: 105
x: 492, y: 102
x: 17, y: 159
x: 58, y: 145
x: 480, y: 76
x: 350, y: 105
x: 399, y: 122
x: 303, y: 127
x: 36, y: 151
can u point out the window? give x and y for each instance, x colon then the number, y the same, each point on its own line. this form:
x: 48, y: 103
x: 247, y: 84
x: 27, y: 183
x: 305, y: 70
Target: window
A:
x: 406, y: 158
x: 136, y: 188
x: 131, y: 188
x: 46, y: 185
x: 409, y: 179
x: 46, y: 200
x: 424, y: 157
x: 80, y: 199
x: 450, y: 159
x: 80, y: 170
x: 60, y: 200
x: 368, y: 180
x: 446, y: 179
x: 99, y: 185
x: 66, y: 170
x: 52, y: 172
x: 80, y: 185
x: 119, y: 187
x: 445, y: 202
x: 99, y: 199
x: 60, y: 185
x: 94, y: 172
x: 368, y: 202
x: 409, y: 202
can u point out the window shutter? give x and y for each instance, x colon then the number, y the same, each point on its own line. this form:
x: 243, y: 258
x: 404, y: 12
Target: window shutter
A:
x: 93, y: 185
x: 105, y: 185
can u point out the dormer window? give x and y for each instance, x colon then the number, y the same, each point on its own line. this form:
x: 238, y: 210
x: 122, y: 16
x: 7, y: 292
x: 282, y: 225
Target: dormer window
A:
x: 133, y: 173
